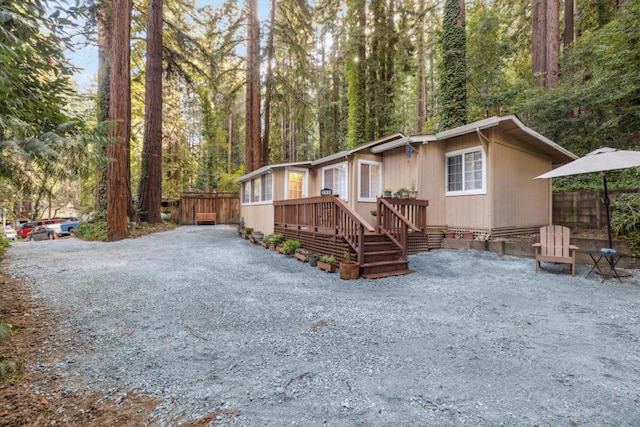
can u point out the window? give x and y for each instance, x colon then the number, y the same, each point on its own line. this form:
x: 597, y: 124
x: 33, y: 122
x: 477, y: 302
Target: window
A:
x: 255, y: 185
x: 258, y: 190
x: 466, y: 172
x: 335, y: 178
x: 369, y: 180
x: 267, y: 188
x: 296, y: 183
x: 246, y: 192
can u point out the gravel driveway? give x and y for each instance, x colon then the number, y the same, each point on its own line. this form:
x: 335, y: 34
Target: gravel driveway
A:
x: 208, y: 322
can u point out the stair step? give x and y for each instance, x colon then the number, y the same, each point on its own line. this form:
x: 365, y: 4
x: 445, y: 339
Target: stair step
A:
x: 387, y: 274
x: 384, y: 266
x: 386, y: 255
x: 378, y: 246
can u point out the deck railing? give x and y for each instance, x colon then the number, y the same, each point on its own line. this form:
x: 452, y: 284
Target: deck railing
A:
x: 326, y: 215
x: 398, y: 217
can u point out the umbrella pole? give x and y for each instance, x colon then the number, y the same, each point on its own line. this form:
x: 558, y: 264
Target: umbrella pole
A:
x: 606, y: 206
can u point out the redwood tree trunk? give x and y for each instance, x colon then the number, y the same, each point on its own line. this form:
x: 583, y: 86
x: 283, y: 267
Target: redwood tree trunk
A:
x: 553, y: 41
x: 150, y: 197
x: 120, y: 115
x: 252, y: 125
x: 538, y: 40
x: 569, y: 26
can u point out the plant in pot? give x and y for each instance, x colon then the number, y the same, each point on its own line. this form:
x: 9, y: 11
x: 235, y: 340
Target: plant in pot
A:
x: 313, y: 259
x: 349, y: 270
x: 467, y: 235
x: 387, y: 192
x: 274, y: 240
x: 258, y: 235
x: 327, y: 263
x: 449, y: 234
x: 301, y: 254
x: 289, y: 247
x: 403, y: 193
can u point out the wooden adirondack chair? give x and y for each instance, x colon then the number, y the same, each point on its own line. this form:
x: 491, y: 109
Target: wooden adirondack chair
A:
x: 554, y: 247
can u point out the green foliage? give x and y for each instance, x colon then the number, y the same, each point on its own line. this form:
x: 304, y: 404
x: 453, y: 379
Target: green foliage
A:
x: 596, y: 101
x: 625, y: 221
x: 95, y: 230
x: 290, y: 246
x: 5, y: 331
x: 453, y: 68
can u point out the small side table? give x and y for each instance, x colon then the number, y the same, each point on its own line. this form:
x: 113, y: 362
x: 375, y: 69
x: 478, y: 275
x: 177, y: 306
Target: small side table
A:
x: 604, y: 264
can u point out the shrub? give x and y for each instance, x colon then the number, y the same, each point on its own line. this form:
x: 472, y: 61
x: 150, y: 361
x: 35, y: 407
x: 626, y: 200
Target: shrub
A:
x: 625, y: 222
x: 290, y: 246
x: 93, y: 231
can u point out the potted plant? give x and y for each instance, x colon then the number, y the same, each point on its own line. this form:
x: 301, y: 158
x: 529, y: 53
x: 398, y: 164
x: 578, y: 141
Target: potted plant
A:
x: 349, y: 270
x: 258, y: 235
x: 327, y: 263
x: 449, y: 234
x: 413, y: 193
x: 467, y: 235
x: 274, y: 239
x: 313, y: 259
x: 374, y: 212
x: 289, y: 247
x: 387, y: 192
x: 301, y: 254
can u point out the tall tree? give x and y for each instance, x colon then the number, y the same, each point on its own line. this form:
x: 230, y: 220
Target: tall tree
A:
x: 453, y: 86
x: 421, y: 92
x: 252, y: 123
x: 268, y: 87
x: 103, y: 21
x: 150, y: 195
x: 355, y: 68
x: 118, y: 187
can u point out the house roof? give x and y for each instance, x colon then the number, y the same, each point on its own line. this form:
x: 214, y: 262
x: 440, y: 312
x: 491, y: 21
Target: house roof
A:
x: 268, y: 168
x: 347, y: 153
x: 510, y: 125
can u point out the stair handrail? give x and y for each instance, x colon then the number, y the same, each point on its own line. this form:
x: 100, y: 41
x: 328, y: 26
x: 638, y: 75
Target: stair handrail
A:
x: 343, y: 221
x: 388, y: 215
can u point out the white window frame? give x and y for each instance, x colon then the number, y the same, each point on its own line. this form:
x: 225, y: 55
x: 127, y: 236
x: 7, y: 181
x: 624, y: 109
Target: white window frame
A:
x: 464, y: 191
x: 305, y: 181
x: 265, y: 179
x: 248, y: 192
x: 373, y: 192
x: 341, y: 165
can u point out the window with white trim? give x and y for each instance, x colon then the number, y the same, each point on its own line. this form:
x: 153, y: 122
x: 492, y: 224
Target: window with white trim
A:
x: 466, y: 172
x: 267, y: 187
x: 369, y: 180
x: 335, y: 178
x: 258, y: 190
x: 246, y: 192
x: 296, y: 183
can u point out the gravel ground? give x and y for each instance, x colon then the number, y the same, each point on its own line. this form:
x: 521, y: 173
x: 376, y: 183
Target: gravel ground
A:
x: 209, y: 323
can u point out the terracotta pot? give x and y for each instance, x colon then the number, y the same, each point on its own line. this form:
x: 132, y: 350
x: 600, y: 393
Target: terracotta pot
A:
x: 467, y: 235
x: 449, y: 234
x: 349, y: 270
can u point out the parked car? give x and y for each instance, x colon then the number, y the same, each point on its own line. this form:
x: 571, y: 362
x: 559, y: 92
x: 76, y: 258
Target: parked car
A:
x: 41, y: 233
x: 69, y: 227
x: 10, y: 233
x: 52, y: 224
x: 26, y: 229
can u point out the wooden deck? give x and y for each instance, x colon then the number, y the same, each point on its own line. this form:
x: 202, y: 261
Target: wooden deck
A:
x: 326, y: 225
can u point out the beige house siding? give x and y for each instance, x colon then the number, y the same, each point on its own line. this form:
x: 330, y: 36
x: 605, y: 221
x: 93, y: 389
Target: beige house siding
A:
x: 259, y: 217
x: 431, y: 182
x: 519, y: 200
x: 467, y: 211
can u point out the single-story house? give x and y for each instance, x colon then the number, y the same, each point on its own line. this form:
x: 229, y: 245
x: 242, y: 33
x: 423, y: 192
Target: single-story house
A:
x: 477, y: 177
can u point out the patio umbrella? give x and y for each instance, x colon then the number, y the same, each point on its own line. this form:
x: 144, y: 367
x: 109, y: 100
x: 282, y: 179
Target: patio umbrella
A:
x: 601, y: 160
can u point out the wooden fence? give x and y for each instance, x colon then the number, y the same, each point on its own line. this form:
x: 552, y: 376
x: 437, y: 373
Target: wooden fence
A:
x: 226, y: 206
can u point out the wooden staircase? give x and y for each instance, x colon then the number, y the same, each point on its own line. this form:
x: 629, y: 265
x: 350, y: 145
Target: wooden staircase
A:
x: 382, y: 258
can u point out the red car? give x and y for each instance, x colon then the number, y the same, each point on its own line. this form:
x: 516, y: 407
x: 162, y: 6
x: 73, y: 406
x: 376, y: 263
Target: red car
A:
x: 26, y: 229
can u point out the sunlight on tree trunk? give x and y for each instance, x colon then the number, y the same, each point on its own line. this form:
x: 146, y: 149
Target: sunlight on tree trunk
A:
x: 120, y: 115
